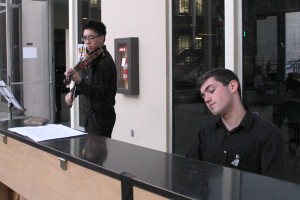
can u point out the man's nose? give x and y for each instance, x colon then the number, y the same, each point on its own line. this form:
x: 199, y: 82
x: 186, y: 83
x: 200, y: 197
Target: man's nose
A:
x: 207, y: 98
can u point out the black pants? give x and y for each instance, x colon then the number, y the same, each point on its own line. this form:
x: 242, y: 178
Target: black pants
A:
x: 100, y: 123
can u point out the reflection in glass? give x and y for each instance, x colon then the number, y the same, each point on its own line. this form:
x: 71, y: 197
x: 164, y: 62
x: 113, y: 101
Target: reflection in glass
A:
x: 123, y: 68
x: 198, y: 45
x: 271, y: 84
x: 94, y: 149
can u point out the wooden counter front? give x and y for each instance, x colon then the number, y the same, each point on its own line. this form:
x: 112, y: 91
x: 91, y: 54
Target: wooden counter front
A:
x: 139, y: 193
x: 35, y: 174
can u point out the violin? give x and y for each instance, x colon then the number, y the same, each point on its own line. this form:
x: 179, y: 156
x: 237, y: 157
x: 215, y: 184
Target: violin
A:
x: 84, y: 63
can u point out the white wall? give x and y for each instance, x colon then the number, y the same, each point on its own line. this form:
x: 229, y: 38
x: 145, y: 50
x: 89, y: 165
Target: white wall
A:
x: 146, y: 113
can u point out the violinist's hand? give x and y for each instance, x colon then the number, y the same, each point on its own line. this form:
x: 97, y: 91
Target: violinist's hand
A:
x: 73, y: 75
x: 69, y: 98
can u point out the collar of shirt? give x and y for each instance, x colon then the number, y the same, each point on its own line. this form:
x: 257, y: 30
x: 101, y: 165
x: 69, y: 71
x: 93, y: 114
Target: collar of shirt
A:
x: 246, y: 122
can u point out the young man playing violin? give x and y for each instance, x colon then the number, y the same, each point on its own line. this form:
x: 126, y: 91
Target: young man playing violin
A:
x: 97, y: 83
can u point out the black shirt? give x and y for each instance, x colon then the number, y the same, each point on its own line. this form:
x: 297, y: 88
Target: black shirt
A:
x: 98, y: 87
x: 254, y: 146
x: 99, y: 84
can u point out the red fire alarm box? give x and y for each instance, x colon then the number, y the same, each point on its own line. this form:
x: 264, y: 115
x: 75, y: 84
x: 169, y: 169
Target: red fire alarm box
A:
x: 127, y: 63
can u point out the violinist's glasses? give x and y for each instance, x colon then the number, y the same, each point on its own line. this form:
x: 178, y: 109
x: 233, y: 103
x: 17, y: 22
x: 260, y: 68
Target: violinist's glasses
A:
x: 89, y: 38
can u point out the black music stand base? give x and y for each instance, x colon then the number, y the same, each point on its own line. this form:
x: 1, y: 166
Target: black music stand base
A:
x: 10, y: 110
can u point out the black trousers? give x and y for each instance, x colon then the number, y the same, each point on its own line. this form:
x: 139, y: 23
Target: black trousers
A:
x: 100, y: 123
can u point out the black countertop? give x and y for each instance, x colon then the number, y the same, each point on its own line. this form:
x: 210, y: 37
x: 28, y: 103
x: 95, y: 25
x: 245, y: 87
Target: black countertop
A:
x: 169, y: 175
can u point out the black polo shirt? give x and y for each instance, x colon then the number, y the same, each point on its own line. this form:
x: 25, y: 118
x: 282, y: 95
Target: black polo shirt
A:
x: 254, y: 146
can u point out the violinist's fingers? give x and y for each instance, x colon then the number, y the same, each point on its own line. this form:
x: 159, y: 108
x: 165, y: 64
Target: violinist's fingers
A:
x: 67, y: 72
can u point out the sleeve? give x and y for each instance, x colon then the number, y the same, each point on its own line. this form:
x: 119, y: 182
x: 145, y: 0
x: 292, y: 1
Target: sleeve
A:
x: 195, y: 151
x: 272, y: 154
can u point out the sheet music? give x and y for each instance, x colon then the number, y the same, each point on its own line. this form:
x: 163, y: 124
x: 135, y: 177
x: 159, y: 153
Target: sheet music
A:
x: 46, y: 132
x: 8, y: 95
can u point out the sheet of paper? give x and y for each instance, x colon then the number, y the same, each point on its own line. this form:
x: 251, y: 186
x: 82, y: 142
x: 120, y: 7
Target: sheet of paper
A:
x: 29, y: 52
x: 46, y: 132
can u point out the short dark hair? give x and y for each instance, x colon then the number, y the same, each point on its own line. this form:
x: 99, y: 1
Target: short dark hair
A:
x: 222, y: 75
x: 98, y: 27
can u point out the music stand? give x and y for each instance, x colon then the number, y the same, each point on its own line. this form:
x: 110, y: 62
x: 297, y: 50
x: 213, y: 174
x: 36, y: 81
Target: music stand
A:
x: 5, y: 91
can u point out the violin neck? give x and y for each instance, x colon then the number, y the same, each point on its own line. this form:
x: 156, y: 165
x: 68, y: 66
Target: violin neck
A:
x: 88, y: 59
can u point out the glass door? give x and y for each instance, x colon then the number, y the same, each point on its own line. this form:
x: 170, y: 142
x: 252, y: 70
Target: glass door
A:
x: 10, y: 43
x: 3, y: 55
x: 27, y: 65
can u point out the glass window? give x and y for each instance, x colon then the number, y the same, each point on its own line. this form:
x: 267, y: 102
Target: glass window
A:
x: 3, y: 53
x: 2, y: 9
x: 198, y: 45
x: 271, y: 63
x: 184, y: 7
x: 15, y: 51
x: 17, y: 2
x: 16, y: 65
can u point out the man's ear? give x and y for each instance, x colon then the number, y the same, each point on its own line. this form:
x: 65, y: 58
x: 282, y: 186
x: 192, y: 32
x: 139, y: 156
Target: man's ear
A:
x: 102, y: 37
x: 233, y: 85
